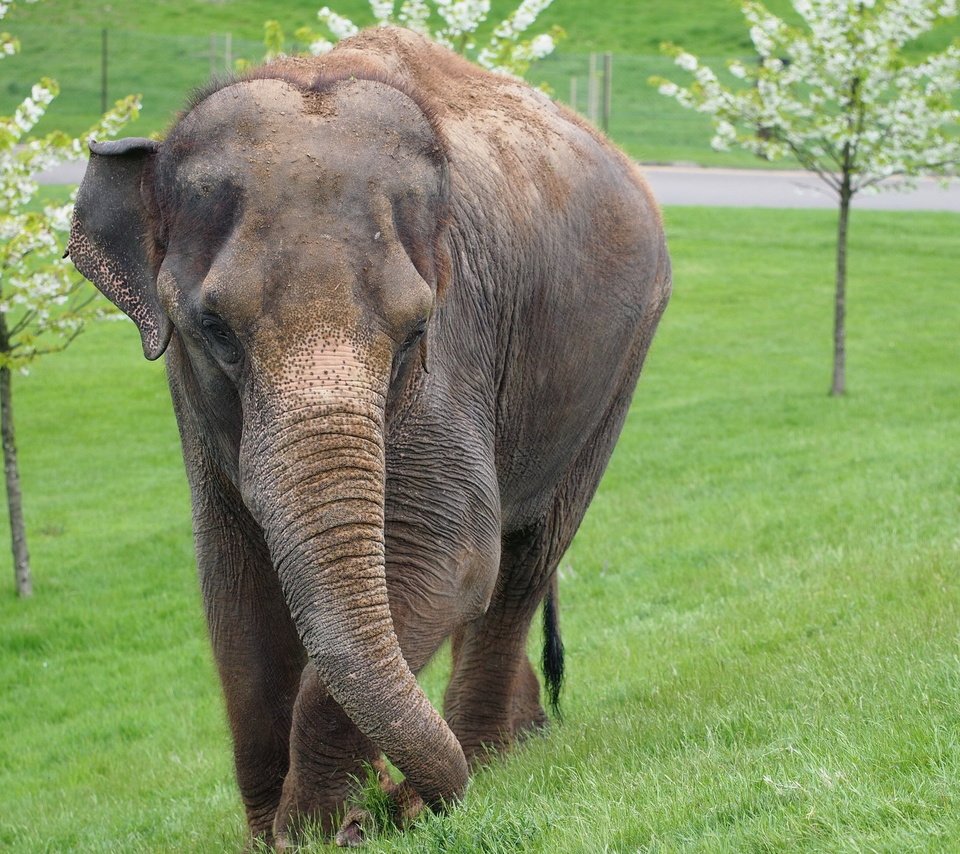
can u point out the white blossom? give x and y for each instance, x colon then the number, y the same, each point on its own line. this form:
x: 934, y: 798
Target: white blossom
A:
x: 382, y: 10
x: 842, y: 98
x: 541, y: 46
x: 320, y: 46
x: 505, y: 52
x: 340, y: 26
x: 414, y: 14
x: 461, y: 19
x: 838, y: 95
x: 530, y: 51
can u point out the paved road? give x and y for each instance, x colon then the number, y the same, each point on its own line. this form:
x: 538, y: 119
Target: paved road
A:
x: 682, y: 185
x: 677, y: 185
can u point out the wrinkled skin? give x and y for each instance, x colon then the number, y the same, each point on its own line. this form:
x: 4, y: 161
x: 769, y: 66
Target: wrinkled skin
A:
x: 404, y: 305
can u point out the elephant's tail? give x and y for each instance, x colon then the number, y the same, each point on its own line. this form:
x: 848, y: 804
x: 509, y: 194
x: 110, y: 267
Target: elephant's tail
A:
x: 552, y: 648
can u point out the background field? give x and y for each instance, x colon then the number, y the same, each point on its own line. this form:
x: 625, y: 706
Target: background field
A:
x: 760, y: 611
x: 163, y: 49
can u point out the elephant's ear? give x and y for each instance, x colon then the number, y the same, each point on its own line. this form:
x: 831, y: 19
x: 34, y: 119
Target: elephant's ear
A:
x: 110, y: 234
x: 422, y: 222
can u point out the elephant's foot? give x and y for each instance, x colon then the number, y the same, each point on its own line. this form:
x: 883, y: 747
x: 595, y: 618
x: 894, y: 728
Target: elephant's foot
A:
x: 259, y: 842
x: 403, y: 805
x: 305, y: 814
x: 313, y: 805
x: 260, y: 829
x: 299, y: 814
x: 527, y: 715
x: 328, y: 755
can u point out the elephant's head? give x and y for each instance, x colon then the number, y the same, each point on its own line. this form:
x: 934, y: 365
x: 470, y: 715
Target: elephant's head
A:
x: 290, y: 237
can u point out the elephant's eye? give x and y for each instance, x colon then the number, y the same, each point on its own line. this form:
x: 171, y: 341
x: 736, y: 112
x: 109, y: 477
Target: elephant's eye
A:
x: 414, y: 335
x: 220, y: 339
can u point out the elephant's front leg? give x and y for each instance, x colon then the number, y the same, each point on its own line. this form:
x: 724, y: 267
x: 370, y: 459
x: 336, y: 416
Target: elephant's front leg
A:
x: 327, y: 760
x: 255, y: 646
x: 329, y: 756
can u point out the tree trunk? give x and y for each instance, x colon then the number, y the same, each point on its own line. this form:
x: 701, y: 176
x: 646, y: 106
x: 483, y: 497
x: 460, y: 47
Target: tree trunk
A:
x: 839, y: 386
x: 18, y: 532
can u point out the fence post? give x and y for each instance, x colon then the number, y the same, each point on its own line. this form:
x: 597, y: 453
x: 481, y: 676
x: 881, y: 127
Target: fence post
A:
x: 607, y: 78
x: 592, y: 90
x: 573, y: 93
x: 103, y: 71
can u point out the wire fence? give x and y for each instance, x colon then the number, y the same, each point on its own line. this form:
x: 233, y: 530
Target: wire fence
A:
x: 614, y: 92
x: 96, y: 67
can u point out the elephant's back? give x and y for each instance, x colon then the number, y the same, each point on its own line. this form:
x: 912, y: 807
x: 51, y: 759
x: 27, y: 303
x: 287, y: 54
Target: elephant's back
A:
x: 560, y: 270
x: 561, y: 254
x: 587, y: 281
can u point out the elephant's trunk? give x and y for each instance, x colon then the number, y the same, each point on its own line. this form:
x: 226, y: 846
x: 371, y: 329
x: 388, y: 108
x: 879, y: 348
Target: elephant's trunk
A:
x: 312, y: 467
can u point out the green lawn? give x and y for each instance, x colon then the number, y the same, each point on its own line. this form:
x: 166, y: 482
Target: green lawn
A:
x: 760, y: 611
x: 165, y: 48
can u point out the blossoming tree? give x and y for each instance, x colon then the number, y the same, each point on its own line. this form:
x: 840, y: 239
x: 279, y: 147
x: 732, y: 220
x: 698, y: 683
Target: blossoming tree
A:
x: 452, y: 23
x: 43, y: 304
x: 843, y: 98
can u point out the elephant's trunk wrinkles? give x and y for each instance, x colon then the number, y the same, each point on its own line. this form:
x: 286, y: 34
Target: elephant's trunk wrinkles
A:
x: 314, y: 479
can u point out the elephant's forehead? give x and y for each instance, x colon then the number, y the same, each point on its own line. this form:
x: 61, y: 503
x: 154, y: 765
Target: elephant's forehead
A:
x: 348, y: 117
x: 242, y: 111
x: 248, y: 129
x: 288, y: 149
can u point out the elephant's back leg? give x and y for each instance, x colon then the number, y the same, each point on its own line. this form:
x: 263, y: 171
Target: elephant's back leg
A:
x: 494, y: 694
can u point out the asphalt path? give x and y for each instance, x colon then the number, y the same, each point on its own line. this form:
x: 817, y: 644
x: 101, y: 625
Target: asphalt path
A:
x: 761, y: 188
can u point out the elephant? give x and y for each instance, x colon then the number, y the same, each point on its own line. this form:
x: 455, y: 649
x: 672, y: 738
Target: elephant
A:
x: 404, y: 304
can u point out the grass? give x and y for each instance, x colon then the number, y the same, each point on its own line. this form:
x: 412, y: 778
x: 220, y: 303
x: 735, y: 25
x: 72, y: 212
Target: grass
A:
x: 164, y: 49
x: 760, y: 609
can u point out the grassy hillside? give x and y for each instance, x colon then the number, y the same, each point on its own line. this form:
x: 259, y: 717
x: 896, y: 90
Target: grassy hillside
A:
x: 760, y: 610
x: 166, y: 48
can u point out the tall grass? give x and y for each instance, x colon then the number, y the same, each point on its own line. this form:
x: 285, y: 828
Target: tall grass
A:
x: 760, y: 610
